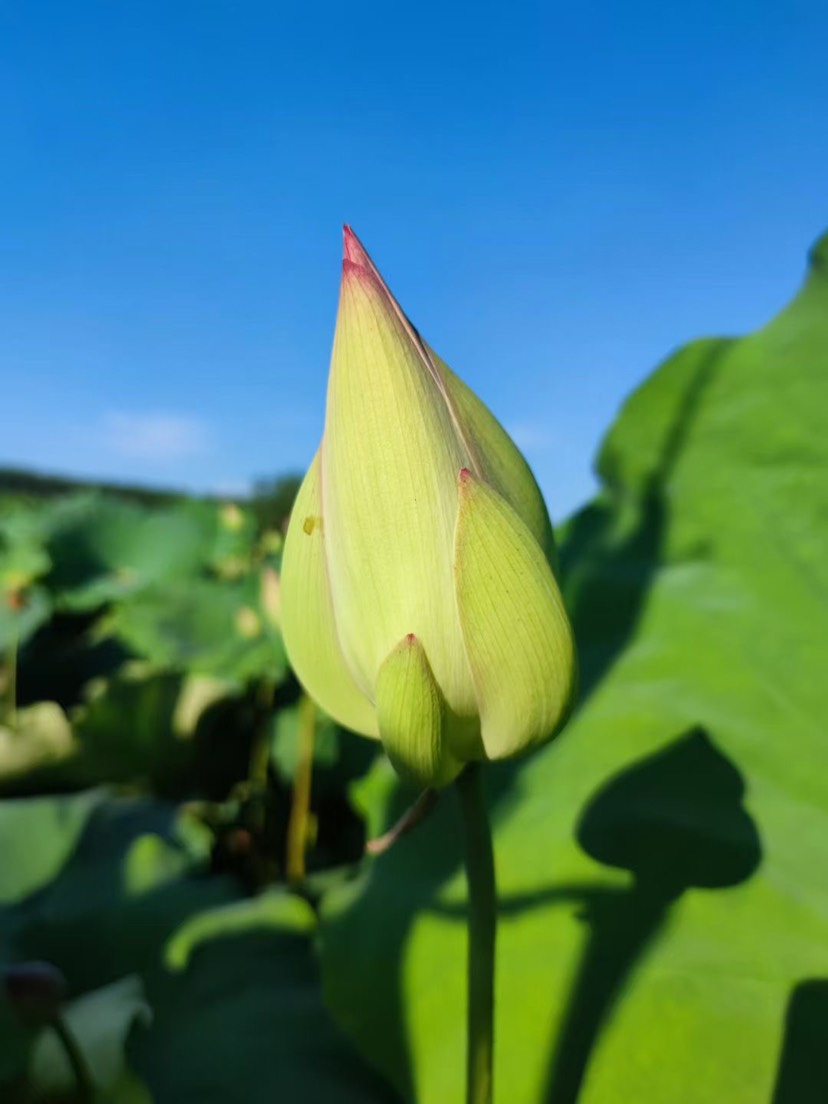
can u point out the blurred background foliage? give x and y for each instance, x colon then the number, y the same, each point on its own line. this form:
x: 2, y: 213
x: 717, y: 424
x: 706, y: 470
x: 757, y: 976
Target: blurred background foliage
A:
x: 149, y: 741
x: 664, y: 903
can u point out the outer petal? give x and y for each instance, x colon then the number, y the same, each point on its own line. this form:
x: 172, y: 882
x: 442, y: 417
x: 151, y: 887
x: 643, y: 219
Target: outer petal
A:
x: 390, y: 460
x: 412, y: 716
x: 308, y: 623
x: 498, y: 459
x: 518, y: 638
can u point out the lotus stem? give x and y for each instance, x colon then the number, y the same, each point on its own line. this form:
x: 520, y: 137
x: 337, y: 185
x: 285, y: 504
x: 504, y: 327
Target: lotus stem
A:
x: 80, y: 1070
x: 480, y: 875
x: 260, y: 752
x: 418, y: 812
x: 11, y: 680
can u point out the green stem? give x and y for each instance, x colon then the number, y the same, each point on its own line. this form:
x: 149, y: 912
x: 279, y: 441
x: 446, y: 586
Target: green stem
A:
x: 11, y: 689
x: 480, y: 874
x: 297, y: 837
x: 411, y: 818
x: 80, y: 1070
x: 260, y: 752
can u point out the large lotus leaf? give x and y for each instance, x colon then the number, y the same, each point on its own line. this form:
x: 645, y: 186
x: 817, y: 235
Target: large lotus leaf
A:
x: 232, y: 981
x: 96, y: 886
x: 239, y: 1015
x: 203, y: 625
x: 38, y: 835
x: 103, y: 549
x: 133, y: 876
x: 662, y: 867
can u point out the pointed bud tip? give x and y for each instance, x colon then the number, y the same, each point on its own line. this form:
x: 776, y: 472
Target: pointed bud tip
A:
x: 410, y: 638
x: 362, y: 271
x: 465, y: 475
x: 353, y: 254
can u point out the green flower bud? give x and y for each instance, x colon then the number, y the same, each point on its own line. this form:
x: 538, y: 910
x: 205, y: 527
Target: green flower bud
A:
x: 419, y: 602
x: 36, y: 990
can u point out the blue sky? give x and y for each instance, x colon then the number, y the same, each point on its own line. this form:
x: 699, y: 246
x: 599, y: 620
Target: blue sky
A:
x: 558, y: 194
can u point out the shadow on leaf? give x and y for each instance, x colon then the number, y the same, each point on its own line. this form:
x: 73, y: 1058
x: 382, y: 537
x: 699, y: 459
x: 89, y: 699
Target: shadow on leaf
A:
x: 675, y: 821
x: 803, y: 1067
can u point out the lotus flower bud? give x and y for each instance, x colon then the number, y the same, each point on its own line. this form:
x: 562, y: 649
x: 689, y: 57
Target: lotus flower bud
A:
x: 419, y: 602
x: 36, y: 990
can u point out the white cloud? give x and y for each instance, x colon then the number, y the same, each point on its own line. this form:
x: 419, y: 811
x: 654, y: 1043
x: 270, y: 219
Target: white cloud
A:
x: 231, y: 488
x: 154, y: 436
x: 531, y: 436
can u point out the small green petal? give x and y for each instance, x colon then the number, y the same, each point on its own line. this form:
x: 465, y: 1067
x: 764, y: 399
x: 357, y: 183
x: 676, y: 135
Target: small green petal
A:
x: 517, y: 635
x: 412, y: 716
x: 498, y: 460
x: 308, y: 624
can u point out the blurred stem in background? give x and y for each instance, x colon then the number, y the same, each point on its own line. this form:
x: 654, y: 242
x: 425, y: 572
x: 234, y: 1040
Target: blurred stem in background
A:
x: 11, y: 683
x: 298, y: 825
x: 83, y: 1079
x: 260, y: 751
x: 15, y: 603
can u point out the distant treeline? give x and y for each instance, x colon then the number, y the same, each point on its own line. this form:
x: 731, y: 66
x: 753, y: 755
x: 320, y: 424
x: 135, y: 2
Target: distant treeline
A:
x: 271, y: 498
x: 28, y: 484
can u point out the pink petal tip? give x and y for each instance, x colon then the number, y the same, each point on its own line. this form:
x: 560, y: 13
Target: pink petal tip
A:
x: 353, y: 252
